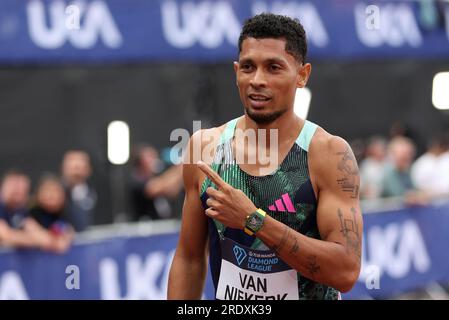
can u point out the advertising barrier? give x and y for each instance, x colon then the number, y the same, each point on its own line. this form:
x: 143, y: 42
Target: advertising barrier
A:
x: 402, y: 250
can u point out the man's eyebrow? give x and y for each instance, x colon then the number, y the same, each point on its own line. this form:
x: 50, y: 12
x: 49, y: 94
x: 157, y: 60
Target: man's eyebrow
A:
x: 276, y: 60
x: 266, y: 61
x: 246, y: 60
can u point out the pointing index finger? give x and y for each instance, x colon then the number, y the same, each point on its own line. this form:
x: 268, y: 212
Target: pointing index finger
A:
x: 213, y: 176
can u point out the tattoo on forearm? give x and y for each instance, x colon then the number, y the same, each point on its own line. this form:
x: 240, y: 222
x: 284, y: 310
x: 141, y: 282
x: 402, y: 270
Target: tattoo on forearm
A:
x: 284, y: 238
x: 348, y: 166
x: 350, y: 230
x: 312, y: 266
x: 295, y: 247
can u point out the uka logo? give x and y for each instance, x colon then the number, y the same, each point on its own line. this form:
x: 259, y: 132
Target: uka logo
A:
x: 212, y: 23
x: 391, y: 24
x: 396, y: 250
x: 146, y: 277
x: 81, y: 24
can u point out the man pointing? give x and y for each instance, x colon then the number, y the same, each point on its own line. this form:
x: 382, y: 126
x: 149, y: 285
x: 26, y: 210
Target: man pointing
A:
x: 287, y: 229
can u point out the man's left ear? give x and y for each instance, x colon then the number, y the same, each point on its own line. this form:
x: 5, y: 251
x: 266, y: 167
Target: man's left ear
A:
x: 304, y: 74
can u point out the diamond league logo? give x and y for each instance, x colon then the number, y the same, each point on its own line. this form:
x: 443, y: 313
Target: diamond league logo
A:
x: 240, y: 254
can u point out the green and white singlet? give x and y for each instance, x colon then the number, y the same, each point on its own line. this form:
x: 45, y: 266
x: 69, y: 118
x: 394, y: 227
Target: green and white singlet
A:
x: 242, y: 266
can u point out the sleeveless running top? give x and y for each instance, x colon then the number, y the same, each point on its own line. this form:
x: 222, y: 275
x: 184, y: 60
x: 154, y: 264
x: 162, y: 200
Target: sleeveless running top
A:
x: 286, y: 195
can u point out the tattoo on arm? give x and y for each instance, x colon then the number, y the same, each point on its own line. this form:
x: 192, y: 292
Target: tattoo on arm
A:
x: 350, y: 230
x: 312, y: 266
x: 295, y: 247
x: 348, y: 166
x: 281, y: 244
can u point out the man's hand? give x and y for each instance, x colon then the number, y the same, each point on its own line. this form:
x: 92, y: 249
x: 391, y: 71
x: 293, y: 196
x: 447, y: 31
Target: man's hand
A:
x: 228, y: 205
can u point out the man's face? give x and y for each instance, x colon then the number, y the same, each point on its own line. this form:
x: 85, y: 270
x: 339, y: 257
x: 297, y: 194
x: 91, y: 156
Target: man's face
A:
x: 76, y: 167
x: 267, y: 78
x: 14, y: 191
x: 51, y: 196
x: 403, y: 154
x: 149, y: 160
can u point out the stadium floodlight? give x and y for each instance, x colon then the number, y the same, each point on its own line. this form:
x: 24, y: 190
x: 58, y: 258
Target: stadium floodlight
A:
x: 302, y: 102
x: 118, y: 142
x: 440, y: 91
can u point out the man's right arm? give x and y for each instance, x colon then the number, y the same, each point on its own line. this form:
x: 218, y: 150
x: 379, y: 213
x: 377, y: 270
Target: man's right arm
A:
x: 189, y: 267
x: 20, y: 238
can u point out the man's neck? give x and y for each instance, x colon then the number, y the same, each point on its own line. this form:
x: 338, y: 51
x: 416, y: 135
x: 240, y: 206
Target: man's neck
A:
x: 287, y: 125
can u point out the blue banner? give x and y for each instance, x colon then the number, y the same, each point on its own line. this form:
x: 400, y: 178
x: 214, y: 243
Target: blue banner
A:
x: 55, y: 31
x: 118, y: 268
x: 402, y: 250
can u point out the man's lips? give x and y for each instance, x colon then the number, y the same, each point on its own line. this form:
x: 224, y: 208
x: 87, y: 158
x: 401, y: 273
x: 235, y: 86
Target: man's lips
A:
x: 258, y: 100
x: 258, y: 97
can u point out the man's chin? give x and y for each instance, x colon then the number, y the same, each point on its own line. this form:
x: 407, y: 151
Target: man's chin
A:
x: 263, y: 117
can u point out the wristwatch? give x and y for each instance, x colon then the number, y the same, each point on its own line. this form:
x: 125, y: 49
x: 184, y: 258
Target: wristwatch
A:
x: 254, y: 222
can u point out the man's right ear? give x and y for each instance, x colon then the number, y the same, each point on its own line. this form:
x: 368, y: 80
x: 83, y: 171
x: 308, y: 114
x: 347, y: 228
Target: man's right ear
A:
x: 236, y: 68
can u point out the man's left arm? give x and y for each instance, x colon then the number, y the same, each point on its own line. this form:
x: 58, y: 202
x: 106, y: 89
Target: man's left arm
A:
x: 335, y: 259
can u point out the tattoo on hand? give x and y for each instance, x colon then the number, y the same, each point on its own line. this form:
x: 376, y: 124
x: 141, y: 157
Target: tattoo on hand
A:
x: 348, y: 166
x: 350, y: 230
x: 281, y: 244
x: 312, y: 266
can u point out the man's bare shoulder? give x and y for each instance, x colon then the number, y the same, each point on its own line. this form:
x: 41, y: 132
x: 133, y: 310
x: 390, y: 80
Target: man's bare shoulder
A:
x: 205, y: 135
x: 324, y: 143
x: 329, y: 155
x: 202, y: 145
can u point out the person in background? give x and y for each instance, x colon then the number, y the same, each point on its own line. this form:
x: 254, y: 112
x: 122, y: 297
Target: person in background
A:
x: 430, y: 172
x: 81, y: 197
x: 150, y: 186
x: 17, y: 229
x: 146, y: 166
x: 372, y: 168
x: 48, y: 212
x: 14, y: 195
x: 403, y: 129
x: 397, y: 179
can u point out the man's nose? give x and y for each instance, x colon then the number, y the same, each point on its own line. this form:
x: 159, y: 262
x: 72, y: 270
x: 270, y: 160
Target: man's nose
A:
x: 259, y: 79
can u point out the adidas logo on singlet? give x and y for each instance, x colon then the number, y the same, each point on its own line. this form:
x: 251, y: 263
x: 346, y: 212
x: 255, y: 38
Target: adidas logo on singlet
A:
x: 283, y: 204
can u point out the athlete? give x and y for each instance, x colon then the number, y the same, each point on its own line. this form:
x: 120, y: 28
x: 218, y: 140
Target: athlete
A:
x: 288, y: 228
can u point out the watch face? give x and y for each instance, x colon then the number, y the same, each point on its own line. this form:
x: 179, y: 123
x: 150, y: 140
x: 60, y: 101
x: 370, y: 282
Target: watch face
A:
x: 254, y: 221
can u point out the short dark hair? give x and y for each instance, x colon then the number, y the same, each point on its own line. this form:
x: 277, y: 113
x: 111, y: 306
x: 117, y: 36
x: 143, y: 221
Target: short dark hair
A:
x: 268, y: 25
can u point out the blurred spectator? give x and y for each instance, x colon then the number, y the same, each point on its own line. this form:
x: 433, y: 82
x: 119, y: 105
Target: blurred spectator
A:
x: 400, y: 129
x: 430, y: 172
x: 150, y: 188
x: 372, y: 169
x: 14, y: 195
x: 397, y: 180
x: 48, y: 211
x: 17, y: 229
x: 81, y: 197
